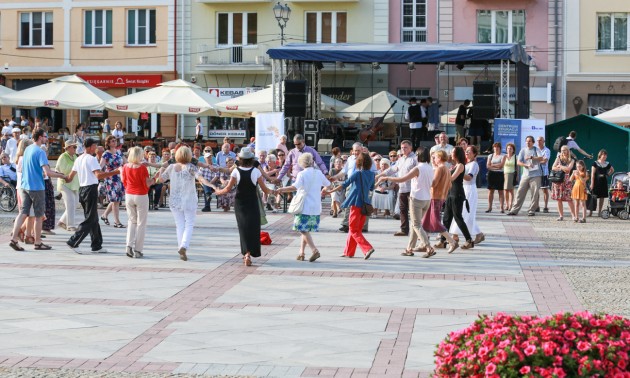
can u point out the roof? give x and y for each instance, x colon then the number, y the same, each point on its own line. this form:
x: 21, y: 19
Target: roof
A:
x: 582, y: 119
x: 392, y: 53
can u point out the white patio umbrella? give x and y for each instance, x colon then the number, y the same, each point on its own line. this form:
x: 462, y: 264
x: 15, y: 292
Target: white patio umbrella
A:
x: 171, y: 97
x: 4, y: 91
x: 262, y: 102
x: 66, y: 92
x: 619, y: 115
x: 376, y: 106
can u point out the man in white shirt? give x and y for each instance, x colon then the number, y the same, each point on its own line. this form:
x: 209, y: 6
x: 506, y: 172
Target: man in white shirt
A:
x: 89, y: 171
x: 405, y: 164
x: 544, y: 165
x: 12, y: 144
x: 572, y: 144
x: 442, y: 145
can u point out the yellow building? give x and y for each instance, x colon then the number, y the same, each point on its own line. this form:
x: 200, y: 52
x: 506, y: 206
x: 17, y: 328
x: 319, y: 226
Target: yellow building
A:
x: 229, y: 42
x: 597, y: 51
x: 120, y: 47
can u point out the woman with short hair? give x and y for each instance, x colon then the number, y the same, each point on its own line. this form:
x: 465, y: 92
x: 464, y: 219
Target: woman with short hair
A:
x: 246, y: 179
x: 599, y: 179
x: 311, y: 181
x: 496, y: 178
x: 183, y: 196
x: 135, y: 177
x: 510, y: 175
x: 69, y: 190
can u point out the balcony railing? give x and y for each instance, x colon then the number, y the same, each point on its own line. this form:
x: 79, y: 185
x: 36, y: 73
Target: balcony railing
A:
x: 208, y: 55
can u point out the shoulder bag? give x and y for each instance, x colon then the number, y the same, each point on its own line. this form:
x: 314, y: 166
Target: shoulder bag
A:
x: 515, y: 177
x: 556, y: 176
x: 366, y: 209
x: 297, y: 203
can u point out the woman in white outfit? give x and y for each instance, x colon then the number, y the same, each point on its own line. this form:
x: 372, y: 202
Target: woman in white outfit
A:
x: 183, y: 196
x: 470, y: 189
x: 383, y: 195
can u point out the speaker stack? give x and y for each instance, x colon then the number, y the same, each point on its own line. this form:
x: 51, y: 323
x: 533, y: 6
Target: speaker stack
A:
x: 485, y: 99
x: 311, y: 131
x: 294, y: 98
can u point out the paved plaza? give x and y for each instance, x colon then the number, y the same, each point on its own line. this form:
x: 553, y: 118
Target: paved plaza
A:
x: 101, y: 314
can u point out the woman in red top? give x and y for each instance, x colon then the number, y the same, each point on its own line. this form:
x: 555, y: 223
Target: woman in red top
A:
x: 136, y: 179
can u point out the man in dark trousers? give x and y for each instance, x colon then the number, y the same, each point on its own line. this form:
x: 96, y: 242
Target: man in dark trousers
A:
x: 89, y: 171
x: 414, y: 116
x: 460, y: 121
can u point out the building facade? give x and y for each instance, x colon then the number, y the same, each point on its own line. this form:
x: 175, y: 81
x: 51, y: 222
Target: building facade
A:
x: 118, y: 46
x: 597, y: 57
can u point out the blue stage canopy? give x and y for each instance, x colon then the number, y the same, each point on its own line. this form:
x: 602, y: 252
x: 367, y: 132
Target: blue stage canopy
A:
x: 396, y: 53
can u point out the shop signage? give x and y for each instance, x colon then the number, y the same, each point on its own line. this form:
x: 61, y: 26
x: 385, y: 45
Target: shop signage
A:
x: 340, y: 94
x: 227, y: 93
x: 219, y: 134
x: 123, y: 81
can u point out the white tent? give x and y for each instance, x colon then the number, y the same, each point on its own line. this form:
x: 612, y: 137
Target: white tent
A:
x: 619, y: 115
x: 171, y: 97
x: 66, y: 92
x: 261, y: 102
x: 4, y: 91
x: 376, y: 106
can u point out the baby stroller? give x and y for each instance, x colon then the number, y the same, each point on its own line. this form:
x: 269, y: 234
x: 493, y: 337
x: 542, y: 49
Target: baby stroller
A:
x: 618, y: 201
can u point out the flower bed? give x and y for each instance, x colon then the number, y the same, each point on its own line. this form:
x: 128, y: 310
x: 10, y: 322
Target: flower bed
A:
x: 562, y: 345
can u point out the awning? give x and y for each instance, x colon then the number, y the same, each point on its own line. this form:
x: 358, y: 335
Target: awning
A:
x: 392, y: 53
x: 607, y: 102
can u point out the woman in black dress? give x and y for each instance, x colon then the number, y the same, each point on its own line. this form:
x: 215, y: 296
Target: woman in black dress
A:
x: 455, y: 201
x: 599, y: 179
x: 246, y: 179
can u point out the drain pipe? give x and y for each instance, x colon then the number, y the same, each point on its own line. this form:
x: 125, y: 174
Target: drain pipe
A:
x: 555, y: 60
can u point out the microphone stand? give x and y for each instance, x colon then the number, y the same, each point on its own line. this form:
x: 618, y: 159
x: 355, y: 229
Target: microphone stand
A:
x: 402, y: 116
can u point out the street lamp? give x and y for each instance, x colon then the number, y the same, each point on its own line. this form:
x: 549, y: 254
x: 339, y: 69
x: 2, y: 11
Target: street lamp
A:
x: 282, y: 14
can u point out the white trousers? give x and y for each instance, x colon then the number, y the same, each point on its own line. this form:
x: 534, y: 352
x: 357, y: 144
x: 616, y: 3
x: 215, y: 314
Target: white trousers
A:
x: 70, y: 200
x: 137, y: 210
x: 184, y: 223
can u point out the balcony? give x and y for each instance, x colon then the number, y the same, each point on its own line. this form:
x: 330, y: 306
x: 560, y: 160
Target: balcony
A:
x: 234, y: 59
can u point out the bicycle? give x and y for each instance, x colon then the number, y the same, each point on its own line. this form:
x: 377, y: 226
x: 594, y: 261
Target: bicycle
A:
x: 8, y: 198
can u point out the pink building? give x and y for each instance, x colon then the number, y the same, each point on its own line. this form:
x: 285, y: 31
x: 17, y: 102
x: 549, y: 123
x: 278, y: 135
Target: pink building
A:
x: 536, y: 24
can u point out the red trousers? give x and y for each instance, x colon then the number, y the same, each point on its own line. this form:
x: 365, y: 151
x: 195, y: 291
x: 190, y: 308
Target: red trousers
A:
x: 355, y: 233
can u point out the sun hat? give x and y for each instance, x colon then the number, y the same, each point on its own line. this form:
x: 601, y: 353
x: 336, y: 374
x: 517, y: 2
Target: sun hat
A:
x: 70, y: 144
x: 16, y: 130
x: 246, y: 153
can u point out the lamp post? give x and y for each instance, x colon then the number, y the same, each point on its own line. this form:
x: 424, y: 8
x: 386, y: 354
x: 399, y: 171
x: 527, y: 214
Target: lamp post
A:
x: 282, y: 14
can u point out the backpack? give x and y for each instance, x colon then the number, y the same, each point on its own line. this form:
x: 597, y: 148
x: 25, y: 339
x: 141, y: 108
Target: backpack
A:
x: 560, y: 141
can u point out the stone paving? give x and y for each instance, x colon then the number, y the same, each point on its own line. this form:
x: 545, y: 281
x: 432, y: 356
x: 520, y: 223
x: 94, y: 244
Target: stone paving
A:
x: 65, y: 314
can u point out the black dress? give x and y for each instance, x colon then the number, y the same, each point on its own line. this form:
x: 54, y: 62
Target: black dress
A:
x: 247, y: 213
x: 455, y: 205
x: 600, y: 186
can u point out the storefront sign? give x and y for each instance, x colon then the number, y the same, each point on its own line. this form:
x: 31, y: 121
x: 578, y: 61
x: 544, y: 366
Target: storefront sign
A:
x: 220, y: 134
x: 340, y: 94
x: 227, y: 93
x: 123, y: 81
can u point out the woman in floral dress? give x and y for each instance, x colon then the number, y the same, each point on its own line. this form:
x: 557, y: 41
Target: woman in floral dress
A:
x: 561, y: 191
x: 114, y: 190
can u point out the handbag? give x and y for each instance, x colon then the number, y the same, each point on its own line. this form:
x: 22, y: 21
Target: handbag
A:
x: 297, y: 203
x: 591, y: 200
x: 515, y: 178
x: 366, y: 209
x: 556, y: 176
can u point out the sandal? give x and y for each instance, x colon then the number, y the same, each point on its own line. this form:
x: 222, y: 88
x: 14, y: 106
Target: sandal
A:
x: 31, y: 240
x: 15, y: 246
x: 105, y: 220
x: 407, y: 252
x: 119, y: 225
x: 300, y: 258
x: 182, y: 254
x: 42, y: 247
x: 314, y: 256
x: 430, y: 252
x: 247, y: 260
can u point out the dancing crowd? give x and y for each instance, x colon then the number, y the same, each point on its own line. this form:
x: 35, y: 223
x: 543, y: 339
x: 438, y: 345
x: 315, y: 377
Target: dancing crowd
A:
x: 428, y: 190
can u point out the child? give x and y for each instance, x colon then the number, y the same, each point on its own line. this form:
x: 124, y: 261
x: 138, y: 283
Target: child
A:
x: 337, y: 197
x: 578, y: 193
x: 619, y: 192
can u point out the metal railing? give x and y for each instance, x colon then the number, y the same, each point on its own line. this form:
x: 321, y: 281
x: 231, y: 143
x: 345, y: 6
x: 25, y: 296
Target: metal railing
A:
x: 227, y: 55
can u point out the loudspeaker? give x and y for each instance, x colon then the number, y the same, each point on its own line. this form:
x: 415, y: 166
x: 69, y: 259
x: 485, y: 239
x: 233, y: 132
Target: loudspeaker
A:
x: 484, y: 88
x: 324, y: 145
x: 484, y: 112
x: 311, y: 125
x: 347, y: 144
x: 310, y: 139
x: 484, y: 101
x: 295, y: 98
x: 380, y: 147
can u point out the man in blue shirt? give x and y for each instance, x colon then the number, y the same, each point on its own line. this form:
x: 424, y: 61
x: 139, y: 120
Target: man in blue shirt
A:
x: 34, y: 164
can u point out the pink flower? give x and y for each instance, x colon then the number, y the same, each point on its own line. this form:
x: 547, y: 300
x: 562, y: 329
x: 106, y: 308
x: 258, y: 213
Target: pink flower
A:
x: 583, y: 346
x: 483, y: 352
x: 529, y: 350
x: 491, y: 369
x: 525, y: 370
x: 569, y: 335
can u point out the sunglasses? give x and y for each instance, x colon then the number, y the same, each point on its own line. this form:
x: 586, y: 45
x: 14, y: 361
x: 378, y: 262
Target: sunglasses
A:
x: 377, y: 159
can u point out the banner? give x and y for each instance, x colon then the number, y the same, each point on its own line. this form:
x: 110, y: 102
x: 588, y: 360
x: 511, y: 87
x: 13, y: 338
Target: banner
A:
x: 269, y: 129
x: 516, y: 130
x: 233, y: 134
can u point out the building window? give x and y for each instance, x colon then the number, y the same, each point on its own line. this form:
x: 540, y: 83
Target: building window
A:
x: 98, y: 28
x: 407, y: 93
x: 140, y: 27
x: 36, y: 29
x: 326, y: 27
x: 237, y: 29
x: 612, y: 31
x: 501, y: 26
x: 414, y: 21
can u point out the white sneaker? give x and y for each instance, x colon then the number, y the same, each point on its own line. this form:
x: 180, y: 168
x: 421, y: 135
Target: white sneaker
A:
x: 102, y: 250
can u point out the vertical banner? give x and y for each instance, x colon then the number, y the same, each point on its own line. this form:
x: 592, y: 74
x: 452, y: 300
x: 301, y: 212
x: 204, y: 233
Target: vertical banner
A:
x: 269, y: 129
x: 533, y: 127
x: 508, y: 131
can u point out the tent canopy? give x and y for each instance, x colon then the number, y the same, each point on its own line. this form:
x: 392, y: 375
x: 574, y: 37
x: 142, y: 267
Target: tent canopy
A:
x: 619, y: 116
x: 391, y: 53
